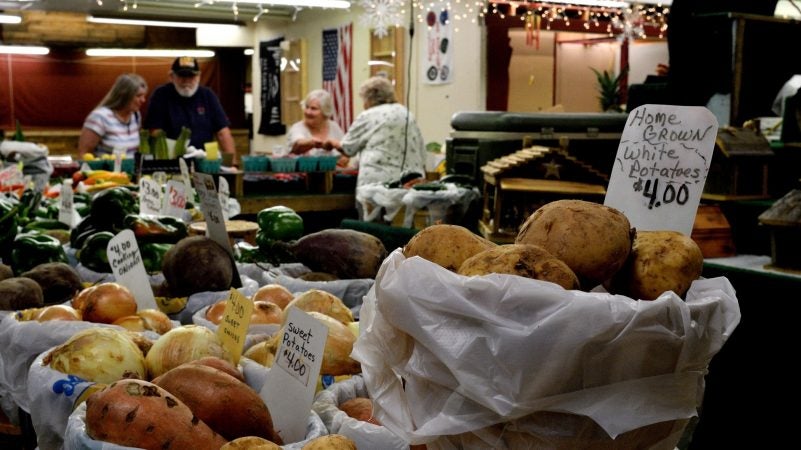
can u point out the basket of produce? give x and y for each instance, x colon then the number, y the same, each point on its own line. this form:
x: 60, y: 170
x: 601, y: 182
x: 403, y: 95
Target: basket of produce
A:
x: 544, y: 358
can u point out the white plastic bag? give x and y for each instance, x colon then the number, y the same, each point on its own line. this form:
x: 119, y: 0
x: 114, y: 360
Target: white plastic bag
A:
x: 364, y: 434
x: 478, y: 352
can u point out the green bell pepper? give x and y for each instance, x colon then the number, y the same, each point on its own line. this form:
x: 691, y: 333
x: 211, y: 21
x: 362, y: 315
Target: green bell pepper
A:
x: 39, y: 224
x: 31, y: 249
x: 110, y: 206
x: 246, y: 253
x: 280, y: 223
x: 8, y: 225
x: 156, y: 229
x: 153, y: 255
x: 93, y: 254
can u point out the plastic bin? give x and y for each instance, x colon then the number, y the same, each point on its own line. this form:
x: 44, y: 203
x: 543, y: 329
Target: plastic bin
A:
x: 307, y: 163
x: 255, y: 163
x: 328, y: 163
x: 208, y: 165
x: 282, y: 164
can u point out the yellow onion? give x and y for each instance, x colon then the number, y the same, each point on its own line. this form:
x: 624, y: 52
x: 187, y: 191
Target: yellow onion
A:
x: 266, y: 313
x: 275, y: 293
x: 131, y: 323
x: 322, y: 302
x: 105, y: 303
x: 155, y: 320
x: 181, y: 345
x: 215, y: 312
x: 103, y: 355
x: 58, y: 312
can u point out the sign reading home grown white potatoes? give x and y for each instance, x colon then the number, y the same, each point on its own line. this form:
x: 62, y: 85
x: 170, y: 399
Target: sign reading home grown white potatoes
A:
x: 292, y: 381
x: 661, y: 166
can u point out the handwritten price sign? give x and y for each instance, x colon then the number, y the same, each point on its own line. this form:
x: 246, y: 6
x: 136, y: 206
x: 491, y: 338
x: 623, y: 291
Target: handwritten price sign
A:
x: 661, y: 166
x: 128, y: 268
x: 149, y: 196
x: 234, y: 325
x: 291, y: 389
x: 175, y: 198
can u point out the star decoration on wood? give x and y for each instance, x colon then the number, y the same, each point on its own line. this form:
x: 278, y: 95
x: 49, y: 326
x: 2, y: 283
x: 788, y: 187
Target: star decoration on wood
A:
x: 552, y: 170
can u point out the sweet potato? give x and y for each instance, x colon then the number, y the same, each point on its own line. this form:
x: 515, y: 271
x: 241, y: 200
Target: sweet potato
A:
x: 446, y: 245
x: 137, y: 413
x: 220, y: 364
x: 346, y: 254
x: 227, y: 405
x: 360, y: 408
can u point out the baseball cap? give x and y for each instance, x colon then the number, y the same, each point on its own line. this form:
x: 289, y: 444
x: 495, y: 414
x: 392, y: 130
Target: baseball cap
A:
x: 185, y: 66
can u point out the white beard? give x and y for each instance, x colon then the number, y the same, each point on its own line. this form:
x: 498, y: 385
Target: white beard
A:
x: 186, y: 92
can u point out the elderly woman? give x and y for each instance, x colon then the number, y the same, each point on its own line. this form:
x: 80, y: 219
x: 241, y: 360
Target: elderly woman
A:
x: 115, y: 122
x: 385, y: 136
x: 316, y: 130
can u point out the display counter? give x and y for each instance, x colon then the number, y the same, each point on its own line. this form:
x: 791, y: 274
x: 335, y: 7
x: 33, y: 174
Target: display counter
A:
x: 751, y: 378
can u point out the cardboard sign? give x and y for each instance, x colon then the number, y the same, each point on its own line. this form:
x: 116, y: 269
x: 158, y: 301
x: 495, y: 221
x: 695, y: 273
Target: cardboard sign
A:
x: 118, y: 155
x: 129, y: 269
x: 234, y: 325
x: 175, y: 199
x: 215, y: 222
x: 66, y: 207
x: 224, y: 192
x: 661, y: 166
x: 292, y: 381
x: 150, y: 196
x: 186, y: 177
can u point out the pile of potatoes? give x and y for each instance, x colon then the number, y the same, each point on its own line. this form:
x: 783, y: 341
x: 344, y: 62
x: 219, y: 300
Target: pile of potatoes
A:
x: 575, y: 244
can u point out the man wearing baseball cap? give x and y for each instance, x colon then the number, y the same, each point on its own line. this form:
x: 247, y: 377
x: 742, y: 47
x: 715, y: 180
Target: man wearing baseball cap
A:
x: 184, y: 103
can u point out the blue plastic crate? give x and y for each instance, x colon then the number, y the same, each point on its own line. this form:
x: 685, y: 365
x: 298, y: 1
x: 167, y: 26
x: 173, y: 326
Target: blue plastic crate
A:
x: 255, y: 163
x: 328, y: 163
x: 208, y: 165
x: 282, y: 164
x: 307, y: 163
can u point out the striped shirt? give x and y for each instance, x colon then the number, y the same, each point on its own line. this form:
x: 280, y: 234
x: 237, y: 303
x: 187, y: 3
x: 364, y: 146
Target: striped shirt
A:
x: 113, y: 132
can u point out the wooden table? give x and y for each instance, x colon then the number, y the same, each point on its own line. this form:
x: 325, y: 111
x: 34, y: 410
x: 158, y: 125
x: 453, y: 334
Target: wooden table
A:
x: 299, y: 202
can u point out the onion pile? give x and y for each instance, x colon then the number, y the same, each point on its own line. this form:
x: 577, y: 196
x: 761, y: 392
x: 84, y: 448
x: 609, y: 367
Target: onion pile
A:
x: 105, y: 303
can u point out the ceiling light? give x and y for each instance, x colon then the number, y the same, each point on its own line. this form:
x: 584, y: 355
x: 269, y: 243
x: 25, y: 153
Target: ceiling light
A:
x: 249, y: 52
x: 155, y: 23
x: 148, y: 52
x: 339, y: 4
x: 7, y: 18
x: 24, y: 50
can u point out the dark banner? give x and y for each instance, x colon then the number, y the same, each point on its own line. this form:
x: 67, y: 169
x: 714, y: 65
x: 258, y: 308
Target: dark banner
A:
x: 270, y: 64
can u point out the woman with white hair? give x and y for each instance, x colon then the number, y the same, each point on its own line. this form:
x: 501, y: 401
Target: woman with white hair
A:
x: 316, y: 130
x: 385, y: 136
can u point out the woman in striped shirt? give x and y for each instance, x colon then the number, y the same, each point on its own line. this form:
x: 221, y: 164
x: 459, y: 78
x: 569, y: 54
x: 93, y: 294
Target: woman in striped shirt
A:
x: 116, y: 121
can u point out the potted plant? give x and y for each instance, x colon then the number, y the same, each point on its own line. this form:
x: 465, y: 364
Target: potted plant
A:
x: 609, y: 90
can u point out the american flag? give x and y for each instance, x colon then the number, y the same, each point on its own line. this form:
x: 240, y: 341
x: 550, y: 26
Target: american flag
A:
x: 337, y: 58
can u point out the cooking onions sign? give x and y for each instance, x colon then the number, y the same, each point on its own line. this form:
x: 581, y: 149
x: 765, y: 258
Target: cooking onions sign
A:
x: 661, y: 166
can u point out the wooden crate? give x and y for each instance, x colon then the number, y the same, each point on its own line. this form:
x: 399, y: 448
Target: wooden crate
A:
x: 712, y: 232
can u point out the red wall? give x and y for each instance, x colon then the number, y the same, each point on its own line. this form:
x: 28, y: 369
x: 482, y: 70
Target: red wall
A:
x: 60, y: 89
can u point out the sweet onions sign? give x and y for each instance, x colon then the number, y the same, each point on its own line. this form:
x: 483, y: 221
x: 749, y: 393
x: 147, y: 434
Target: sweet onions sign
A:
x: 661, y: 166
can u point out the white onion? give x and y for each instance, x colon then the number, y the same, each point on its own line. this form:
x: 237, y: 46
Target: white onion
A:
x: 181, y: 345
x: 103, y: 355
